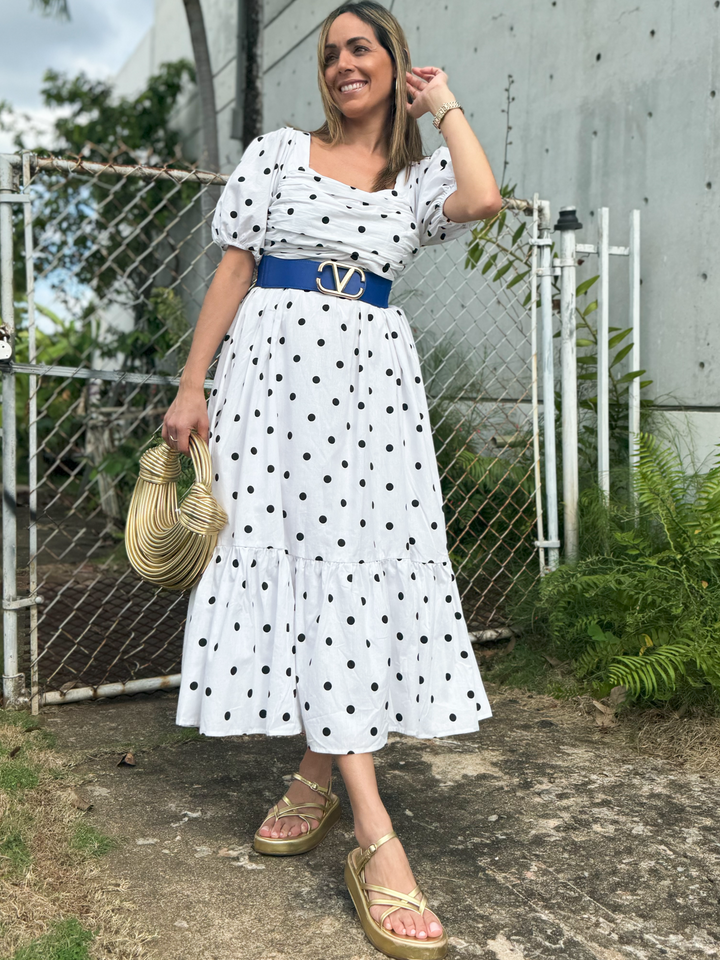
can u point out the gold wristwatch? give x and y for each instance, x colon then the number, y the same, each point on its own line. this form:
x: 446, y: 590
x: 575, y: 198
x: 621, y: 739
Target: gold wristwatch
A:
x: 450, y: 105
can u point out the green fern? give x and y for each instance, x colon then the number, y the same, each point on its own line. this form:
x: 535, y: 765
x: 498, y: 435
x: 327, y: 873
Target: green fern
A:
x: 642, y: 608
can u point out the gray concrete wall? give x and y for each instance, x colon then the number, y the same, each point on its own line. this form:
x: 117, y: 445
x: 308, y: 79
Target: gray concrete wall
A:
x: 614, y: 106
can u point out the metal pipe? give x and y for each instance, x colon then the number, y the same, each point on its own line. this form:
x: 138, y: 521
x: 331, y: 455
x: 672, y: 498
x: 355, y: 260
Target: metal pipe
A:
x: 534, y: 374
x: 13, y: 681
x: 567, y: 225
x: 634, y: 391
x: 111, y: 690
x: 548, y: 385
x: 119, y: 169
x: 32, y: 441
x: 487, y: 636
x: 603, y: 352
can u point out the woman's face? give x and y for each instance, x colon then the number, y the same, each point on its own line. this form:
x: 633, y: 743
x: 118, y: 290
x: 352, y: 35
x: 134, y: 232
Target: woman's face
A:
x: 359, y: 71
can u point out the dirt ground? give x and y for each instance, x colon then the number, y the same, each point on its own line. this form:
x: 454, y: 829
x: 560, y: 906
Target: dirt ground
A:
x: 540, y: 836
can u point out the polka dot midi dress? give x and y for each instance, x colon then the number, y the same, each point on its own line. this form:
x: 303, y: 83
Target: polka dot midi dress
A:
x: 330, y: 606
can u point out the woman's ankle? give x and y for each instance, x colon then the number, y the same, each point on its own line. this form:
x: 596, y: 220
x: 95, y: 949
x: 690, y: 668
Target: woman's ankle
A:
x: 317, y: 767
x: 372, y: 830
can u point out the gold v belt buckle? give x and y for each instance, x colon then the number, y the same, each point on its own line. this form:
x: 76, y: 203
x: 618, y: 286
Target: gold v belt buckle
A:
x: 340, y: 285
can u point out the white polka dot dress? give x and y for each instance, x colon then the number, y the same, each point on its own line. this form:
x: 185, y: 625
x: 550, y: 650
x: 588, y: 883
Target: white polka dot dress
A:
x: 330, y: 606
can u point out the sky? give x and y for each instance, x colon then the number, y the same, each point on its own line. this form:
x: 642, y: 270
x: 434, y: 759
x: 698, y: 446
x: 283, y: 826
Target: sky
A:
x: 98, y: 40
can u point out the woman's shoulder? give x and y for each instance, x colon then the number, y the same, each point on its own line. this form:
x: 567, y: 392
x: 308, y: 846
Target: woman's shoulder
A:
x: 436, y: 161
x: 280, y: 134
x: 432, y: 159
x: 274, y: 139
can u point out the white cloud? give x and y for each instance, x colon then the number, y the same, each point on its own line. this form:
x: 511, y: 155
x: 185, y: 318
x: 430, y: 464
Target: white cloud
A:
x: 98, y: 40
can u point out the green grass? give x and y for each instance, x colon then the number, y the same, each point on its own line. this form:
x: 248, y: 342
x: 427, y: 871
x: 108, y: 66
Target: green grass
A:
x: 68, y: 940
x: 15, y: 776
x: 89, y: 841
x: 14, y: 851
x: 19, y: 718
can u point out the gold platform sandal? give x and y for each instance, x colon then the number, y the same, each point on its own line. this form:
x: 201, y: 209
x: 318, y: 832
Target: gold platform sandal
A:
x: 387, y: 941
x: 286, y: 846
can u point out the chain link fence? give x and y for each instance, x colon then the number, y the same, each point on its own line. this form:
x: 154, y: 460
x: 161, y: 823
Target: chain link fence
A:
x: 117, y: 262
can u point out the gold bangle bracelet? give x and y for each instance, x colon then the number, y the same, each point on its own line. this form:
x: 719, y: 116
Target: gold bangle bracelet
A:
x: 450, y: 105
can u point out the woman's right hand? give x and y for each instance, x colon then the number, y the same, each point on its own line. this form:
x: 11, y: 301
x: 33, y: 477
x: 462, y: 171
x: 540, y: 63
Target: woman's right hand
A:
x: 187, y: 411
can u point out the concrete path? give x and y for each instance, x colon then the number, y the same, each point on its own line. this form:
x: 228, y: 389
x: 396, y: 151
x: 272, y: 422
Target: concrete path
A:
x: 538, y: 837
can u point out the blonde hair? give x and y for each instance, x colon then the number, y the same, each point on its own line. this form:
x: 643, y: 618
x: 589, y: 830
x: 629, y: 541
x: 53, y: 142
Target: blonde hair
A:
x: 402, y: 132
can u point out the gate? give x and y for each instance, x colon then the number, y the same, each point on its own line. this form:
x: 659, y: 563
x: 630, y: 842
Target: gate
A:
x: 114, y: 263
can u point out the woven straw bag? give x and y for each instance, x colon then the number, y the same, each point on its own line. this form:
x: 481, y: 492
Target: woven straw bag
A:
x: 169, y: 543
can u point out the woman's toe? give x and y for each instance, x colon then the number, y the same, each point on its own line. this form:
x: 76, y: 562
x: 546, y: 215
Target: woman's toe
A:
x: 434, y: 928
x: 399, y: 927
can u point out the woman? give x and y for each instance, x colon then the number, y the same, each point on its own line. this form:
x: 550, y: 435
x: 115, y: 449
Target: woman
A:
x: 330, y: 607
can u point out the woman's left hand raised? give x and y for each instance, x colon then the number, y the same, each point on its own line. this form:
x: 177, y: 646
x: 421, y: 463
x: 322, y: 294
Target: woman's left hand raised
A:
x: 428, y: 86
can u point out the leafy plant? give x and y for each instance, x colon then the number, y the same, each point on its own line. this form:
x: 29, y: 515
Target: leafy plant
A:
x: 645, y: 612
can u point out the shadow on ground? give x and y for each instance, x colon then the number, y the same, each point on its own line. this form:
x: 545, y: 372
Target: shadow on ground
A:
x: 537, y: 837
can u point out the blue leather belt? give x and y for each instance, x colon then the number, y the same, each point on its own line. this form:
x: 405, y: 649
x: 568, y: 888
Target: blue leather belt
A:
x: 331, y: 277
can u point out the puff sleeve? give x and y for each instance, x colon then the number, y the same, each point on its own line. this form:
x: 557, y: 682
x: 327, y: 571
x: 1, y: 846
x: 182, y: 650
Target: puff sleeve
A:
x: 435, y: 181
x: 240, y: 218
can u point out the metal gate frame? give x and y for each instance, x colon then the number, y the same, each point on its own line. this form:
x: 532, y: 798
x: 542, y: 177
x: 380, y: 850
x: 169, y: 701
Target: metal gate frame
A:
x: 543, y: 268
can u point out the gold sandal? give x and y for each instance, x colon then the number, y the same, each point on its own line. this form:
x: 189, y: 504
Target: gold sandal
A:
x: 285, y: 846
x: 387, y: 941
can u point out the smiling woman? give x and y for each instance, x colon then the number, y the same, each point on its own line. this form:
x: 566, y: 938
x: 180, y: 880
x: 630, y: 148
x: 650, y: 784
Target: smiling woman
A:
x: 331, y: 607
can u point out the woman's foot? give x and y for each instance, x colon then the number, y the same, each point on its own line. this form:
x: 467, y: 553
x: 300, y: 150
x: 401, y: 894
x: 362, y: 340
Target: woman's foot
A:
x: 389, y: 867
x: 298, y: 792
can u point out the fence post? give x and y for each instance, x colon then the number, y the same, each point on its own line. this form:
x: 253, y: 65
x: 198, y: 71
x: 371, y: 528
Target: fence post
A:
x: 567, y: 224
x: 548, y: 384
x: 634, y: 391
x: 13, y: 680
x: 603, y: 352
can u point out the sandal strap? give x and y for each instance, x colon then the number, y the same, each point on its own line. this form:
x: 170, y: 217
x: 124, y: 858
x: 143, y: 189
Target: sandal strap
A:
x: 387, y: 913
x: 291, y: 810
x: 325, y: 791
x: 415, y: 900
x: 366, y: 854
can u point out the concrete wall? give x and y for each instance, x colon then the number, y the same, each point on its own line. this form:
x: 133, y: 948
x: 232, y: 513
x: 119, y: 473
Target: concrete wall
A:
x: 615, y: 105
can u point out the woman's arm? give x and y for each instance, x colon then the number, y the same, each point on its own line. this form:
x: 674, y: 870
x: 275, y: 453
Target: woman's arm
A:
x: 228, y: 288
x: 477, y: 196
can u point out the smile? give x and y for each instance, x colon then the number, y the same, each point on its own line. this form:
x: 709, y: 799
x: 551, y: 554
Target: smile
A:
x: 354, y: 85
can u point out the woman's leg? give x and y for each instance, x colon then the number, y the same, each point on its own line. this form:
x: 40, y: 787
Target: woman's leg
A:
x: 389, y: 866
x: 313, y: 766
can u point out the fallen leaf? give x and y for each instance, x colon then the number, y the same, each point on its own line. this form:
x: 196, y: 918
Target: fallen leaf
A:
x: 617, y: 695
x: 604, y: 720
x: 603, y: 707
x: 79, y: 800
x: 511, y: 645
x: 127, y: 760
x: 553, y: 661
x: 14, y: 752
